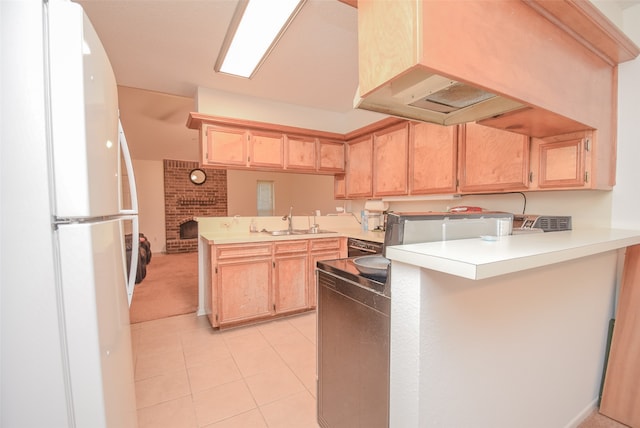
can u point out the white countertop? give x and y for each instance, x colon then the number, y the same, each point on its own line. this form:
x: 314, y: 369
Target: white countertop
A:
x: 248, y: 237
x: 479, y: 259
x: 235, y: 230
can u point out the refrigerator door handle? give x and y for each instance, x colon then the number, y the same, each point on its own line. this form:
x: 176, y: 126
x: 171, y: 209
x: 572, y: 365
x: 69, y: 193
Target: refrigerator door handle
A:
x: 122, y: 139
x: 132, y: 213
x: 135, y: 244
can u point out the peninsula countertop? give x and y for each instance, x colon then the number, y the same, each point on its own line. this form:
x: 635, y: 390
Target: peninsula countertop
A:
x: 479, y: 258
x: 235, y: 230
x: 249, y: 237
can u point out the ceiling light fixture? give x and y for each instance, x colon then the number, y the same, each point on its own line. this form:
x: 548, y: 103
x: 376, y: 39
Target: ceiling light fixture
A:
x: 255, y: 29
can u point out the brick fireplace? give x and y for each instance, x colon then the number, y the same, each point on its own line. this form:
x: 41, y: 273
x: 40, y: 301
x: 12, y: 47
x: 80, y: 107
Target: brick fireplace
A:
x: 183, y: 201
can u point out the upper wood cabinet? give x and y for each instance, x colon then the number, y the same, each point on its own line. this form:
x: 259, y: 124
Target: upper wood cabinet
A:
x: 433, y: 158
x: 237, y: 147
x: 340, y: 186
x: 225, y: 146
x: 492, y: 160
x: 240, y: 144
x: 266, y: 149
x: 331, y: 155
x: 301, y: 153
x: 390, y: 160
x: 562, y: 162
x: 360, y: 167
x: 402, y: 43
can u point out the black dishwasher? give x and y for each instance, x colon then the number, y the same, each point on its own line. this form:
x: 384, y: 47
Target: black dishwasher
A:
x: 353, y: 348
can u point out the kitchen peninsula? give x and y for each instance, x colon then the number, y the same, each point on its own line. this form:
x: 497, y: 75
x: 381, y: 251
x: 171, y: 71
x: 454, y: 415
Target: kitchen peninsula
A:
x: 509, y: 332
x: 249, y: 276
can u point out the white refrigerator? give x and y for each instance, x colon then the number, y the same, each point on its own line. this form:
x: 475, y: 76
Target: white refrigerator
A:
x: 90, y: 187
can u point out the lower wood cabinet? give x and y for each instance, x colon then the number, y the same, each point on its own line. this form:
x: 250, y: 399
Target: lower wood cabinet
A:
x: 241, y: 283
x: 244, y: 287
x: 322, y: 249
x: 290, y: 280
x: 257, y: 281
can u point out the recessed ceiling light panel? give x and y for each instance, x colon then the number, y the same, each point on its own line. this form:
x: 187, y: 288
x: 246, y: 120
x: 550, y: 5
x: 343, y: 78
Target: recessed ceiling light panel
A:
x: 255, y: 29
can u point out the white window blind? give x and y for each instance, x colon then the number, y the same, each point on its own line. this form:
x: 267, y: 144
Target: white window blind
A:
x: 265, y: 198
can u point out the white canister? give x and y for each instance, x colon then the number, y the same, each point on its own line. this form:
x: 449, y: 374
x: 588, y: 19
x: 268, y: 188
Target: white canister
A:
x: 504, y: 226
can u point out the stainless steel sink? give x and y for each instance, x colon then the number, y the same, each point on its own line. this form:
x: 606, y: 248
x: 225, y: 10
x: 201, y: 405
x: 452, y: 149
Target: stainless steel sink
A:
x: 296, y: 232
x: 313, y: 232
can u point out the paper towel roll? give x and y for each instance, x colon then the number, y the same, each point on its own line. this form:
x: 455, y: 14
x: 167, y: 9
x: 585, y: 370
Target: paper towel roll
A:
x: 376, y: 206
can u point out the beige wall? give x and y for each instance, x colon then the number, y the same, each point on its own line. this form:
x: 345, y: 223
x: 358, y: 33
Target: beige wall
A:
x: 305, y: 192
x: 150, y: 186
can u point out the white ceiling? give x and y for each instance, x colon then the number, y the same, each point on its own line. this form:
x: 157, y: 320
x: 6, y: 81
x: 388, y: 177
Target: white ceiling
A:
x: 170, y: 47
x: 163, y: 50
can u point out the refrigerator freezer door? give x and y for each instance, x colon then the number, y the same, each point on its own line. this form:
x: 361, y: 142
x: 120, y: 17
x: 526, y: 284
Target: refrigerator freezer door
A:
x: 96, y: 320
x: 84, y: 116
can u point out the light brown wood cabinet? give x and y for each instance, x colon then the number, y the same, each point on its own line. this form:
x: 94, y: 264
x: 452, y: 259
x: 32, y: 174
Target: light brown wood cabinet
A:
x: 562, y: 162
x: 241, y: 283
x: 331, y: 155
x: 433, y: 158
x: 396, y: 157
x: 244, y: 144
x: 390, y: 160
x: 225, y: 146
x: 238, y: 147
x: 266, y: 149
x: 492, y: 160
x: 257, y: 281
x: 323, y: 249
x: 340, y: 186
x: 290, y: 281
x: 359, y: 172
x: 300, y: 153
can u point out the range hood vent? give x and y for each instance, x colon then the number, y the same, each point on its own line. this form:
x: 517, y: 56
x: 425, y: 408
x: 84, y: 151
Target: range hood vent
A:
x: 427, y: 97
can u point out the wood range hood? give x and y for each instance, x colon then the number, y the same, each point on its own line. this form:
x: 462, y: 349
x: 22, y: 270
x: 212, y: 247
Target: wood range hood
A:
x: 535, y: 67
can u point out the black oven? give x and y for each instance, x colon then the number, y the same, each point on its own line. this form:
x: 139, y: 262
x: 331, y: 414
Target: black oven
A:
x: 361, y: 247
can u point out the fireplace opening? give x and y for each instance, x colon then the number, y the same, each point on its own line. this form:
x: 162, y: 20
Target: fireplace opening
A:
x: 189, y: 229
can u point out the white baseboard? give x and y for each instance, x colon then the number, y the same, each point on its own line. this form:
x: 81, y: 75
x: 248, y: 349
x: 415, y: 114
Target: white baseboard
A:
x: 584, y: 414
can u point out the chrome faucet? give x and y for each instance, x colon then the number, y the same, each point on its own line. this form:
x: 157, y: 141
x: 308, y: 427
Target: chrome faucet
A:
x: 290, y: 218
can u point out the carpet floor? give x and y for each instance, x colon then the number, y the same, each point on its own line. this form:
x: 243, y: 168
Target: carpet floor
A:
x: 170, y: 288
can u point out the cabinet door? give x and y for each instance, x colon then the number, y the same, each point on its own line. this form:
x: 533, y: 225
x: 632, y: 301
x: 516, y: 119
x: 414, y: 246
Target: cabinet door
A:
x: 313, y: 282
x: 300, y: 153
x: 291, y: 282
x: 225, y: 146
x: 390, y: 160
x: 266, y: 149
x: 433, y: 157
x: 560, y: 162
x: 360, y: 167
x: 492, y: 160
x: 340, y: 186
x: 331, y: 156
x: 244, y: 289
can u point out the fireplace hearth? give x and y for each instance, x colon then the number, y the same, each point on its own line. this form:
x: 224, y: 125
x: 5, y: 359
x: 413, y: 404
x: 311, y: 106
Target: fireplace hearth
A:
x: 184, y: 201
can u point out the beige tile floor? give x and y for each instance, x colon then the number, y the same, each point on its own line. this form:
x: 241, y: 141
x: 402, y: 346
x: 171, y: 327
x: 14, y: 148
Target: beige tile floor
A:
x: 263, y: 376
x: 188, y: 375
